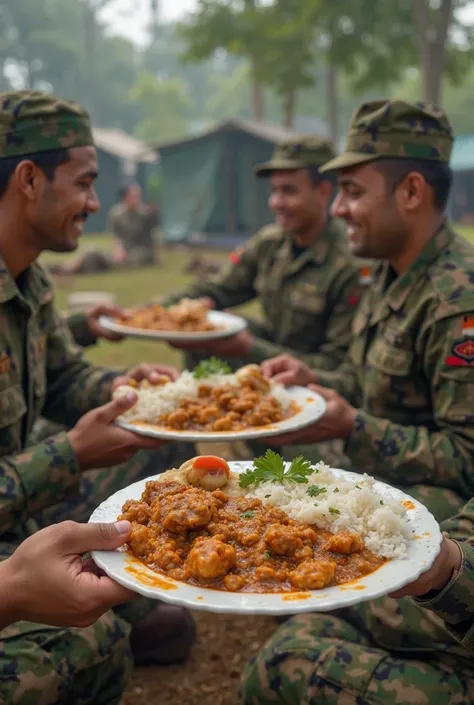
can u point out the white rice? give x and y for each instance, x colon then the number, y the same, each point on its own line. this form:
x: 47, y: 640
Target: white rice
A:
x: 154, y: 402
x: 355, y: 506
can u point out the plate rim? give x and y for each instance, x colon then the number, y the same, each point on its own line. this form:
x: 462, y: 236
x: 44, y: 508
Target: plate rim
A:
x: 228, y: 436
x: 349, y: 598
x: 240, y: 324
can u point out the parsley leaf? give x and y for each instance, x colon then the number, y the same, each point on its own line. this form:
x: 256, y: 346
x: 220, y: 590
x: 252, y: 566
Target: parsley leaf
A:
x: 336, y: 490
x: 267, y: 555
x: 271, y: 468
x: 212, y: 366
x: 248, y: 515
x: 315, y: 491
x: 332, y: 510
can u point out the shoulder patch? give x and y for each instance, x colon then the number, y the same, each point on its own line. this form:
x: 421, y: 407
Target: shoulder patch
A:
x: 462, y: 350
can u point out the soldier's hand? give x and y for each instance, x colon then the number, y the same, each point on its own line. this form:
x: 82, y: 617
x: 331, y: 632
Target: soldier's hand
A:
x: 151, y: 373
x: 289, y: 371
x: 99, y: 443
x: 438, y: 576
x: 95, y: 329
x: 48, y: 581
x: 337, y: 422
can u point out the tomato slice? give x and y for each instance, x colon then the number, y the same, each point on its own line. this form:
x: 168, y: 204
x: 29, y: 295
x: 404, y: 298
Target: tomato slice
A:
x: 211, y: 462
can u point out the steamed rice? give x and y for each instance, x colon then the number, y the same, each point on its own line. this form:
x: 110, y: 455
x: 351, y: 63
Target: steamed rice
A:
x: 154, y: 402
x: 354, y: 506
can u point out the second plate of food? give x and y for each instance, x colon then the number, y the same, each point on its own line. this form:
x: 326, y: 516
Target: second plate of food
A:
x: 212, y: 403
x: 187, y: 321
x: 267, y: 537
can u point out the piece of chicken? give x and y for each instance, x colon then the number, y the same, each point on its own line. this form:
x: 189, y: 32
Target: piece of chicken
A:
x: 210, y: 558
x: 252, y: 375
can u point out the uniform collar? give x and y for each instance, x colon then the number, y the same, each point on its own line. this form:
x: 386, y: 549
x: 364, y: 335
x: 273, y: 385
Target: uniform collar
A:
x: 317, y: 253
x: 395, y: 294
x: 39, y: 286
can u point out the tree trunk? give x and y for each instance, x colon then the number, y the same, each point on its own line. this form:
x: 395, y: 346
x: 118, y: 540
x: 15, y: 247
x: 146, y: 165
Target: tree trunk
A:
x: 289, y: 101
x: 332, y: 102
x: 257, y: 98
x: 431, y: 36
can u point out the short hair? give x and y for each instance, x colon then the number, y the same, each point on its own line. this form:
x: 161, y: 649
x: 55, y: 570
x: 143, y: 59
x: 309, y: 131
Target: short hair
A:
x: 437, y: 175
x: 46, y: 161
x: 316, y: 176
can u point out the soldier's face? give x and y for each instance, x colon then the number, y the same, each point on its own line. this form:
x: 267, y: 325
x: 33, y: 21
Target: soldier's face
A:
x: 374, y: 224
x: 296, y: 202
x: 64, y: 204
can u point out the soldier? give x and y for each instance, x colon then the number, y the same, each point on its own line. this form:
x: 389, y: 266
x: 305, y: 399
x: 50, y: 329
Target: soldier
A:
x: 299, y: 269
x: 47, y: 170
x: 390, y: 652
x: 402, y: 401
x: 132, y: 223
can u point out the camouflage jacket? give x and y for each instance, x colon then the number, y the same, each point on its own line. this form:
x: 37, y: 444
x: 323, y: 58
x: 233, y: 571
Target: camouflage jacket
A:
x: 410, y: 371
x: 455, y: 604
x: 42, y: 373
x: 308, y: 301
x: 133, y: 228
x: 77, y: 324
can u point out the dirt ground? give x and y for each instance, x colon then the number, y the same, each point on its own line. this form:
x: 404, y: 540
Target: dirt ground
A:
x: 210, y: 677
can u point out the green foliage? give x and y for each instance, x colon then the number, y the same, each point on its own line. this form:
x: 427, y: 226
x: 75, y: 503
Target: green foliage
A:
x: 165, y: 103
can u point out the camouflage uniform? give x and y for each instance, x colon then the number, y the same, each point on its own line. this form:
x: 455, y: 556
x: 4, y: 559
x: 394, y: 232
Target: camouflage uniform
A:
x: 134, y: 229
x: 42, y: 372
x: 410, y: 367
x: 385, y: 652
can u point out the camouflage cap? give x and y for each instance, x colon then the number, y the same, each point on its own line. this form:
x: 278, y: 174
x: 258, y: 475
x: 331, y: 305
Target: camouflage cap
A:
x: 33, y: 122
x: 297, y: 153
x: 395, y: 129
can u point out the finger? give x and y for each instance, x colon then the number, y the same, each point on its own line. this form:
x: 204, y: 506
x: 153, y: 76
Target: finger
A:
x: 277, y: 365
x: 108, y: 413
x: 137, y: 441
x: 108, y: 335
x: 122, y: 381
x: 104, y: 593
x: 287, y: 379
x: 81, y: 538
x: 327, y: 394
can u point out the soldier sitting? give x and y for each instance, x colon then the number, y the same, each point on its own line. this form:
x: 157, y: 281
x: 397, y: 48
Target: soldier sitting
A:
x: 402, y: 403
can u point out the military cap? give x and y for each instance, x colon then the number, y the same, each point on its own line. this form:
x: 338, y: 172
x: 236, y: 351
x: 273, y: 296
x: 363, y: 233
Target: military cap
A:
x: 297, y: 153
x: 395, y: 129
x: 33, y: 122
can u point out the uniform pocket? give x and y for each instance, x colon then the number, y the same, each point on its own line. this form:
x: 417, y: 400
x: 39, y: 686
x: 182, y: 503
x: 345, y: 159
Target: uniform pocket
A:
x: 12, y: 406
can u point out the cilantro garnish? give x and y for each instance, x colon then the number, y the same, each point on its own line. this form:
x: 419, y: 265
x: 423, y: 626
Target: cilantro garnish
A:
x: 212, y: 366
x: 271, y: 468
x: 248, y: 515
x: 315, y: 491
x: 332, y: 510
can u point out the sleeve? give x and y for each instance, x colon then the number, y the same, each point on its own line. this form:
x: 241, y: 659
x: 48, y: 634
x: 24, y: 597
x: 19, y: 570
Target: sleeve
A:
x: 36, y: 478
x: 331, y: 354
x: 74, y: 387
x: 111, y: 223
x: 77, y: 324
x: 443, y: 455
x: 233, y: 287
x: 455, y: 603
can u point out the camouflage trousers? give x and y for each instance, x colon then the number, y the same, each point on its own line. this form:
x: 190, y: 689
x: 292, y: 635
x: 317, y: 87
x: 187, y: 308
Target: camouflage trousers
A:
x: 42, y: 665
x: 337, y: 659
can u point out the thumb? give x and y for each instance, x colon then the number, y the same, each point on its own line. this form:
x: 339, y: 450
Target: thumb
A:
x: 81, y: 538
x: 115, y: 408
x: 327, y: 394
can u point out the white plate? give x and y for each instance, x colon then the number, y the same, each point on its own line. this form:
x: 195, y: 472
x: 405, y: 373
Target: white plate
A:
x: 395, y: 574
x: 231, y: 325
x: 312, y: 404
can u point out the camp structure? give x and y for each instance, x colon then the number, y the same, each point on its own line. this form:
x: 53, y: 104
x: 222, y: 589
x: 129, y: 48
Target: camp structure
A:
x: 122, y: 160
x: 210, y: 194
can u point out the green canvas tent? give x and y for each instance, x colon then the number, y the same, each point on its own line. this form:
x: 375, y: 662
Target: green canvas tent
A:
x: 122, y: 159
x: 209, y: 192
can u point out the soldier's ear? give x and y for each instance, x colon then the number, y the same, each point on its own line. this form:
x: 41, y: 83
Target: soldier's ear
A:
x: 412, y: 191
x: 29, y: 179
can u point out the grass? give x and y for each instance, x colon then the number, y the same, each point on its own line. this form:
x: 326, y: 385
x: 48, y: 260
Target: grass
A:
x: 130, y: 288
x: 139, y: 286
